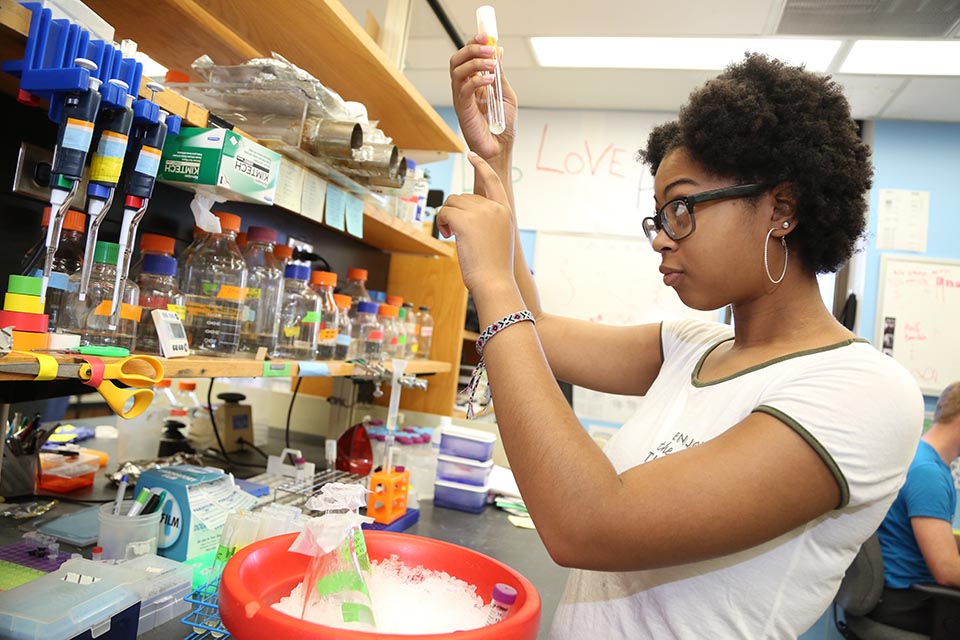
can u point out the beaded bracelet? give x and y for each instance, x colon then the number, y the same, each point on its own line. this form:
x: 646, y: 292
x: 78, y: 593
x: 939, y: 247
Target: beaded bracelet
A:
x: 478, y: 371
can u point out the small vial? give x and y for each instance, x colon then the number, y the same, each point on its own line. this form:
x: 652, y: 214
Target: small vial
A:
x: 503, y: 598
x: 487, y: 23
x: 96, y: 554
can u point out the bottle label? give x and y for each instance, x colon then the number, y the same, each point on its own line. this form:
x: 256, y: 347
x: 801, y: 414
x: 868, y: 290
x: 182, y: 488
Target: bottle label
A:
x: 426, y: 332
x: 253, y: 293
x: 312, y: 317
x: 375, y: 336
x: 127, y: 311
x: 343, y: 339
x: 230, y: 292
x: 178, y: 309
x: 291, y: 332
x: 328, y: 335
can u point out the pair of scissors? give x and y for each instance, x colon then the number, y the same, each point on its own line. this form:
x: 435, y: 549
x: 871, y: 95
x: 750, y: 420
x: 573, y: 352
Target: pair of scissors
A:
x: 136, y: 372
x: 127, y: 371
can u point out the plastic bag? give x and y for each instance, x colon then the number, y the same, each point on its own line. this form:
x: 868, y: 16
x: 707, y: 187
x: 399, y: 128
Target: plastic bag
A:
x: 338, y: 573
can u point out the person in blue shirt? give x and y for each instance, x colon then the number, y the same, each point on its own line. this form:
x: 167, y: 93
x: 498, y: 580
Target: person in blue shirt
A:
x: 916, y: 537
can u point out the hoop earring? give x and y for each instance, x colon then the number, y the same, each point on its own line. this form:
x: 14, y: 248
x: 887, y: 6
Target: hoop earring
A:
x: 766, y: 262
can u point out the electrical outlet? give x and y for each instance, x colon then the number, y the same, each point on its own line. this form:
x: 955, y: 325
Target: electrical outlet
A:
x: 32, y: 175
x: 296, y: 243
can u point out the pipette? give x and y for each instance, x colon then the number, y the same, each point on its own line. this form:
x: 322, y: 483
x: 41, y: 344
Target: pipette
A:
x: 76, y: 112
x: 151, y: 126
x: 399, y: 366
x: 112, y: 136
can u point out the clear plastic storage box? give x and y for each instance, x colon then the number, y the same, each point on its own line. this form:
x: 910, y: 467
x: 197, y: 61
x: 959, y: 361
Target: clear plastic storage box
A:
x: 467, y: 443
x: 81, y: 596
x: 456, y: 495
x: 162, y: 587
x: 465, y: 470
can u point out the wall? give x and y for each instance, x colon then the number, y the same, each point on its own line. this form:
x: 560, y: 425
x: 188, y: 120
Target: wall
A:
x: 919, y: 156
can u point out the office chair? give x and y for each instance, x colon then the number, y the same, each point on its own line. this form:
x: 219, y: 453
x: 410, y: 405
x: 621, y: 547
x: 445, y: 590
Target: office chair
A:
x: 860, y: 592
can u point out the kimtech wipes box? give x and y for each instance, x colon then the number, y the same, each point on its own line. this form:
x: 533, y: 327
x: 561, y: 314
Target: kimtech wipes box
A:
x: 220, y: 162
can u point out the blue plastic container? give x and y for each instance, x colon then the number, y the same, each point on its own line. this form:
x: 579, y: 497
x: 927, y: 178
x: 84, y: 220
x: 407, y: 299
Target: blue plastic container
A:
x: 467, y: 443
x: 456, y: 495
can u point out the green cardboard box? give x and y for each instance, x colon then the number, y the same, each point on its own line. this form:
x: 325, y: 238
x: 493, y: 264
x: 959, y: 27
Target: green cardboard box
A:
x: 220, y: 162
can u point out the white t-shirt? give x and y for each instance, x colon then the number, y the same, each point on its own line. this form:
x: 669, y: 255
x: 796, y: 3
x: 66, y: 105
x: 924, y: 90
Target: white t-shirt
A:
x: 860, y: 410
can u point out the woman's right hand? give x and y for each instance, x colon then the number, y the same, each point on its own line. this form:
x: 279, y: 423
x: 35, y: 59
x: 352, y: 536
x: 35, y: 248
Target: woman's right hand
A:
x: 469, y: 100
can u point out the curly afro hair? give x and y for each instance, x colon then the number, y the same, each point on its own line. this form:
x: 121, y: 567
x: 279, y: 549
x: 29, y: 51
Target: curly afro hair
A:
x: 764, y: 121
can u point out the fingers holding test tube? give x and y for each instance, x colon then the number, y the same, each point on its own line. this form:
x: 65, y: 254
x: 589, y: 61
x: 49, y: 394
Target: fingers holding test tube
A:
x: 484, y: 227
x: 477, y: 82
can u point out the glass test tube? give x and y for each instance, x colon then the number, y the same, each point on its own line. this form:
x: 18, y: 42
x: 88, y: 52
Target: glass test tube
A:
x: 487, y: 23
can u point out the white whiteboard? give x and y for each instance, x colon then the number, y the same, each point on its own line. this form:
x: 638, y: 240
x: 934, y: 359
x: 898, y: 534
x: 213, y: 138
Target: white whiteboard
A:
x: 918, y: 315
x: 608, y: 279
x: 576, y: 171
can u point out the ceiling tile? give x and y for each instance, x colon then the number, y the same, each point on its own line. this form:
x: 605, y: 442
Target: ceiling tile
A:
x: 868, y: 94
x: 926, y: 99
x: 619, y: 17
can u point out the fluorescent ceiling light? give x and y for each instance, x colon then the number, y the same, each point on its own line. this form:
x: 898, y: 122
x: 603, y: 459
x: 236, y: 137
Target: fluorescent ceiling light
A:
x: 903, y: 57
x: 678, y: 53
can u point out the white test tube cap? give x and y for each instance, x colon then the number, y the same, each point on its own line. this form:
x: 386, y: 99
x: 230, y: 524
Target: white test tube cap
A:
x: 487, y: 21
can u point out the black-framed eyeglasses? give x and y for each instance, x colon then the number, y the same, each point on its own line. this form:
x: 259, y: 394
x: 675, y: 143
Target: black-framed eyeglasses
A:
x: 676, y: 217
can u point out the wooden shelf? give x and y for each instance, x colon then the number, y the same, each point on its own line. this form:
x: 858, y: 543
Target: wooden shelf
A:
x: 381, y: 229
x: 208, y: 367
x: 320, y: 36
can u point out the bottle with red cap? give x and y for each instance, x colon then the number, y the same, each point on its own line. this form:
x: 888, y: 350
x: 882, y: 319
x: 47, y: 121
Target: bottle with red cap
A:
x: 261, y: 319
x: 66, y: 262
x: 324, y: 282
x: 152, y: 244
x: 215, y: 284
x: 299, y: 316
x: 158, y: 290
x: 356, y: 288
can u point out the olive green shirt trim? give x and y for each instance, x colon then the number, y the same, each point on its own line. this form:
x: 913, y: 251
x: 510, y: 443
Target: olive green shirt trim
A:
x: 695, y: 374
x: 815, y: 444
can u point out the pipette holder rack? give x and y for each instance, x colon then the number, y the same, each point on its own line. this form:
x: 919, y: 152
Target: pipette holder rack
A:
x: 48, y: 68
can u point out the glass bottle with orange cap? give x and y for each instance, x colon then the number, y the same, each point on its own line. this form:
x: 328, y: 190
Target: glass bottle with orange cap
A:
x: 261, y: 318
x: 342, y: 350
x: 66, y: 262
x: 152, y: 244
x: 356, y: 288
x: 215, y: 286
x: 324, y: 282
x: 199, y: 235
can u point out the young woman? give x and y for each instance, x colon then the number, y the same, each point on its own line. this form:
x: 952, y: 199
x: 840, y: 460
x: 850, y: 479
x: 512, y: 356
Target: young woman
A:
x: 763, y: 455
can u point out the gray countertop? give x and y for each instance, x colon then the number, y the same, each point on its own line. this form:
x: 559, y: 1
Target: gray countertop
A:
x: 489, y: 532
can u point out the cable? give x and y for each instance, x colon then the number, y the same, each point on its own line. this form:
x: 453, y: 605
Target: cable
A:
x: 213, y: 423
x: 243, y: 442
x: 286, y: 433
x: 446, y: 23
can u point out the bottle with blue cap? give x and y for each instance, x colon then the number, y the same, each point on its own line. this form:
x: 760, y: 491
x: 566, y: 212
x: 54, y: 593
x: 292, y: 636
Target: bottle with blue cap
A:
x: 158, y: 290
x: 299, y: 316
x: 366, y: 333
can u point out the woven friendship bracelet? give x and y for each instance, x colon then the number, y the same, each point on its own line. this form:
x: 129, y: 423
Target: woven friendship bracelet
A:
x: 489, y: 332
x: 500, y: 325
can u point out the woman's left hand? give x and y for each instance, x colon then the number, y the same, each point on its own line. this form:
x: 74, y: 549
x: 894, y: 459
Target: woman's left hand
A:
x: 485, y: 230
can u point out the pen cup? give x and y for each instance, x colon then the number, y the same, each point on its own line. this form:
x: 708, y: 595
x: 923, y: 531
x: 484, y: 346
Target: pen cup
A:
x: 123, y: 537
x: 19, y: 475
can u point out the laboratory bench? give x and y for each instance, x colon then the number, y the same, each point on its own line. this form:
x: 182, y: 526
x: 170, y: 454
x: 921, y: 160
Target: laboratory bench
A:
x: 489, y: 532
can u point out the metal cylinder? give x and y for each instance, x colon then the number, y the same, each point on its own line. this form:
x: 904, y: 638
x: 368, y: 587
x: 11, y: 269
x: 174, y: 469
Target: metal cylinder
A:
x: 332, y: 138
